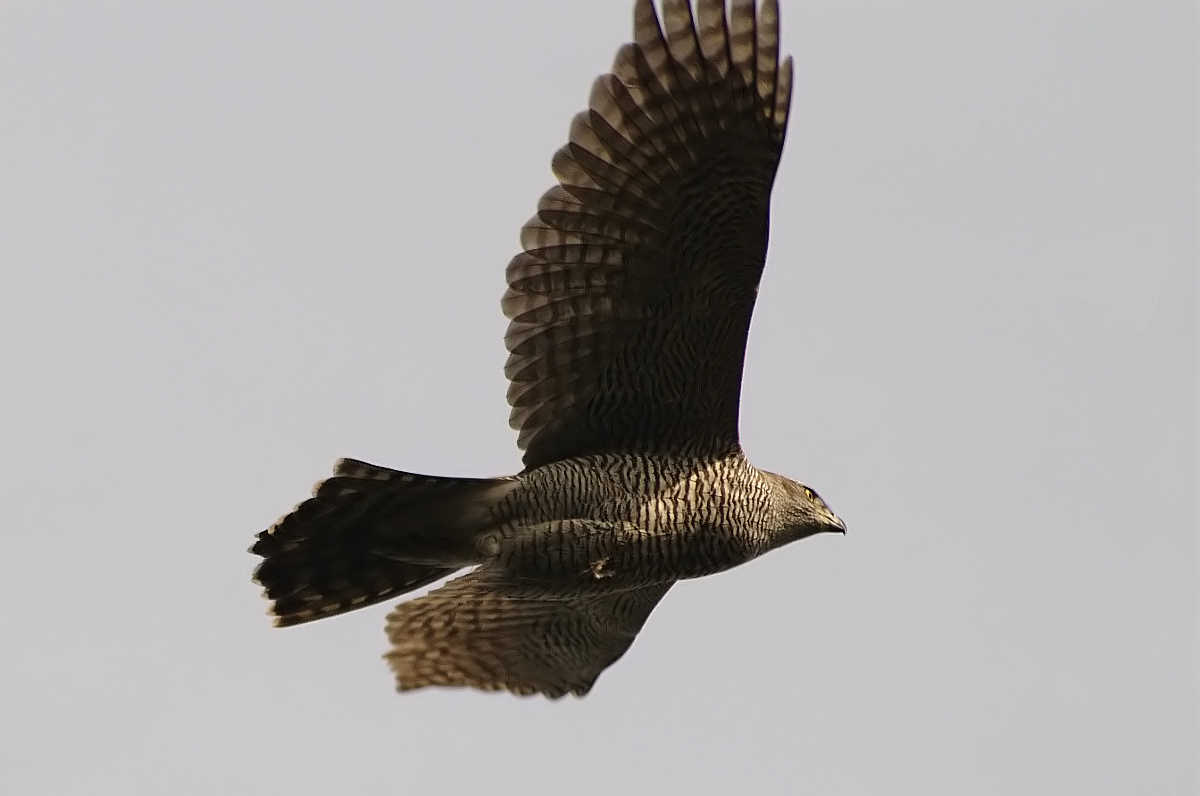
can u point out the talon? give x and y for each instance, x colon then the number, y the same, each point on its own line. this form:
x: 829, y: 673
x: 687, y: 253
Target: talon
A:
x: 598, y: 568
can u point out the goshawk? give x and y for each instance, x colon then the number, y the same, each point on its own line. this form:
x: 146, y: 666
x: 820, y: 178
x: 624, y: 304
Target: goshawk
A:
x: 628, y: 309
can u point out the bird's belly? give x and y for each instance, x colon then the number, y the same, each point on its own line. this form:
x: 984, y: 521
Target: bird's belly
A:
x: 589, y: 554
x: 622, y: 521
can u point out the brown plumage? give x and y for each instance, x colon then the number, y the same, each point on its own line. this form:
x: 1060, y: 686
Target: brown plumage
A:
x: 629, y: 309
x: 641, y: 267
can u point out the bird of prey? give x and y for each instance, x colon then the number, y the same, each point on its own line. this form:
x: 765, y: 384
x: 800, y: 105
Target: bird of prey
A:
x: 629, y: 309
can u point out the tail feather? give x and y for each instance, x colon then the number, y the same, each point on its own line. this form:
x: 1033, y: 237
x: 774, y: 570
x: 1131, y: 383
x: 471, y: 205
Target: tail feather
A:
x: 367, y: 534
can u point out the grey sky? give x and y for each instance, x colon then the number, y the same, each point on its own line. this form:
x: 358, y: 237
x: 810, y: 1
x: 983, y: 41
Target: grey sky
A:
x: 239, y: 240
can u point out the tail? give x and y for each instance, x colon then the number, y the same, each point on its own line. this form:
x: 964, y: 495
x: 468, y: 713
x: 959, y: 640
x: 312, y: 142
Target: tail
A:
x: 369, y: 534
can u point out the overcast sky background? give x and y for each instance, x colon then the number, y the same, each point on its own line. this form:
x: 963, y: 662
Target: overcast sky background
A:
x: 239, y: 240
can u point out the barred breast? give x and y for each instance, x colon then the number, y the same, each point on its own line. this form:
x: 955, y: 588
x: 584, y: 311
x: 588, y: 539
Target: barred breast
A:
x: 620, y: 521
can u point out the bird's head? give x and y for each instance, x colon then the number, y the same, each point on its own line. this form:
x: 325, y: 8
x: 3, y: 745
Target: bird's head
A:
x: 801, y: 510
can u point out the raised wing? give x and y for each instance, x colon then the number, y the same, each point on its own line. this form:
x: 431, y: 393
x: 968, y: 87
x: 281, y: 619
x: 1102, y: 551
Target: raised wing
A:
x: 630, y: 305
x: 475, y: 632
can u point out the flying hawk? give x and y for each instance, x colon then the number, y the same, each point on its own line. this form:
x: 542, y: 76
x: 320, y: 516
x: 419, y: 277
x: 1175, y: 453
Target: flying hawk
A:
x: 628, y: 311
